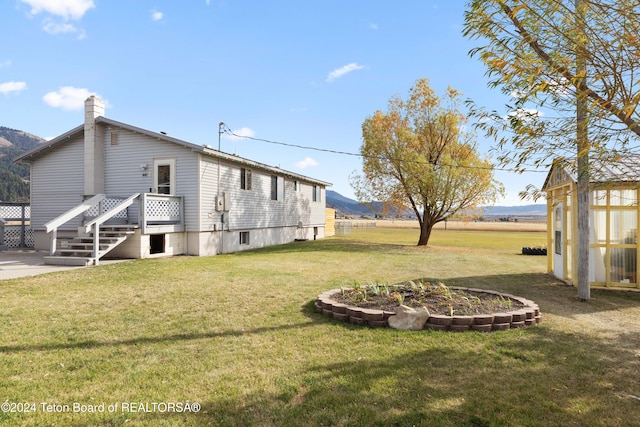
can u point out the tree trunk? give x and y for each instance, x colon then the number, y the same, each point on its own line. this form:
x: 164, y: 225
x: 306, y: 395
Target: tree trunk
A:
x: 582, y: 136
x: 425, y: 233
x: 584, y: 290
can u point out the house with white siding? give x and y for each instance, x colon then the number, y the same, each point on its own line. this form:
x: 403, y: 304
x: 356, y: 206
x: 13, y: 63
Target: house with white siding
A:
x: 106, y: 188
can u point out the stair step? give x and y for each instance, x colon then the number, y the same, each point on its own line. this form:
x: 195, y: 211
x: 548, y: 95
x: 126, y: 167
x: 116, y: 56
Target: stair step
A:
x: 75, y: 251
x: 90, y: 240
x: 115, y: 233
x: 118, y: 227
x: 67, y: 260
x: 79, y: 250
x: 83, y: 246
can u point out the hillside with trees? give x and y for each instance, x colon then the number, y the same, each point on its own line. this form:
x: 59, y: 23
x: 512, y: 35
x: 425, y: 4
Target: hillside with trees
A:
x: 14, y: 178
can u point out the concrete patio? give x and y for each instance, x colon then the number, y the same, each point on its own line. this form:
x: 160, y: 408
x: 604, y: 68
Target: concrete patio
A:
x: 16, y: 263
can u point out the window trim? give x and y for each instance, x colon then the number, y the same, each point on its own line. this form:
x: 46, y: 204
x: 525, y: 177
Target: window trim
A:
x: 245, y: 179
x: 171, y: 163
x: 277, y: 188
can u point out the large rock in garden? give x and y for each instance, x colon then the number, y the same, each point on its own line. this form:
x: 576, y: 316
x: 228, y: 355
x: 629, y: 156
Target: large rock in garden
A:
x: 408, y: 318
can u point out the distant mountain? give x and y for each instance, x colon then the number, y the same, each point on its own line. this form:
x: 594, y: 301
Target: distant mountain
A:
x: 347, y: 206
x: 20, y: 140
x: 525, y: 210
x: 14, y: 185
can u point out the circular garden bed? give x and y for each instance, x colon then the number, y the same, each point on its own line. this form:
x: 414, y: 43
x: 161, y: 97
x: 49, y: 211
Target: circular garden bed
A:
x: 440, y: 307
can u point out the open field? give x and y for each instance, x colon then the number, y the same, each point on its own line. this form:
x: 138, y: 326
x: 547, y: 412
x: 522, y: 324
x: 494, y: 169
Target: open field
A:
x: 238, y: 335
x: 539, y: 226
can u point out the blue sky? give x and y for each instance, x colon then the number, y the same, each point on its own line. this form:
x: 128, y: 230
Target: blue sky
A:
x: 301, y: 72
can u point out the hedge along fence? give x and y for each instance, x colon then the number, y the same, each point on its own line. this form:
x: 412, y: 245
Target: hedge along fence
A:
x: 529, y: 315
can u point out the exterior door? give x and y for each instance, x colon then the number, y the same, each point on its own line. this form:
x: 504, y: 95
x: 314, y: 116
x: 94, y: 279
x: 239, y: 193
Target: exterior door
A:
x: 558, y: 241
x: 164, y: 176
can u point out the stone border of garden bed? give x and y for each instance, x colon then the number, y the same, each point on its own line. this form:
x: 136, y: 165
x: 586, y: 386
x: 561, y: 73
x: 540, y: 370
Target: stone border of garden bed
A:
x: 528, y: 316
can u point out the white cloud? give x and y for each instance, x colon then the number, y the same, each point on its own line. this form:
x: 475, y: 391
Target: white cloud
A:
x: 239, y: 133
x: 517, y: 93
x: 373, y: 26
x: 52, y: 27
x: 305, y: 163
x: 68, y: 98
x: 67, y: 9
x: 6, y: 63
x: 525, y: 114
x: 8, y: 87
x: 339, y: 72
x: 156, y: 15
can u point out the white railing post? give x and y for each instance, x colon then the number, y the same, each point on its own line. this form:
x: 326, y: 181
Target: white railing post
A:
x: 96, y: 243
x: 54, y: 242
x: 142, y: 215
x: 52, y: 226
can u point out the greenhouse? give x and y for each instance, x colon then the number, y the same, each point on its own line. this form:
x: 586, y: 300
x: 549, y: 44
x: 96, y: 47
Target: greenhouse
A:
x: 613, y: 223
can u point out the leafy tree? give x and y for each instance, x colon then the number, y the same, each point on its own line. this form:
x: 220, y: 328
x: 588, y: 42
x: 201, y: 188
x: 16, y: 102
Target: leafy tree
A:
x: 7, y: 154
x: 578, y: 59
x: 417, y: 156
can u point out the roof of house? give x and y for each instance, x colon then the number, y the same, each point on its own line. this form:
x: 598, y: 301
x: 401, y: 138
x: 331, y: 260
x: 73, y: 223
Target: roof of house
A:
x: 621, y: 169
x: 203, y: 149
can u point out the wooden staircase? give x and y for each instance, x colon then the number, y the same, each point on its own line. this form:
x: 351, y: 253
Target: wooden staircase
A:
x: 79, y: 251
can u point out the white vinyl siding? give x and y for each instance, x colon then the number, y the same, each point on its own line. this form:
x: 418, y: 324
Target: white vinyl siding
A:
x: 208, y: 172
x: 125, y: 176
x: 57, y: 183
x: 255, y: 209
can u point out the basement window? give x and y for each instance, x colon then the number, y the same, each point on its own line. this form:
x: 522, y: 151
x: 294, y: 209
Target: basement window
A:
x: 156, y: 243
x: 244, y: 237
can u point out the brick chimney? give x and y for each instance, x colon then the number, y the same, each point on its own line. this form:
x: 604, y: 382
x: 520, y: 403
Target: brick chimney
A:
x: 93, y: 147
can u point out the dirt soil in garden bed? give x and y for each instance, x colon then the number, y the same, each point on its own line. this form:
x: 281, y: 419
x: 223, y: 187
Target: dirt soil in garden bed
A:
x: 438, y: 298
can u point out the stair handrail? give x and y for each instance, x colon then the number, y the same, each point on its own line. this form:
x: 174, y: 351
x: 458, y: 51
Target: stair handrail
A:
x: 97, y: 221
x: 53, y: 225
x: 74, y: 212
x: 111, y: 212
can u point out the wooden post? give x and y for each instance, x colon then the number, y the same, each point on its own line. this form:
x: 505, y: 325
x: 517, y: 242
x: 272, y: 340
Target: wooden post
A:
x: 23, y: 228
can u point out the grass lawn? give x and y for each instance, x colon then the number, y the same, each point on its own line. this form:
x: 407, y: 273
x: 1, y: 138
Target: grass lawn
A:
x: 145, y: 340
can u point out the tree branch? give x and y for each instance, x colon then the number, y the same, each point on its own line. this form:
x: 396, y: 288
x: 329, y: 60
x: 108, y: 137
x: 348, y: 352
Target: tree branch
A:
x: 583, y: 88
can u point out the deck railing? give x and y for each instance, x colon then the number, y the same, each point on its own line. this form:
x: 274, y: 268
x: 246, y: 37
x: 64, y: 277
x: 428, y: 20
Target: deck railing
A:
x: 157, y: 213
x: 161, y: 213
